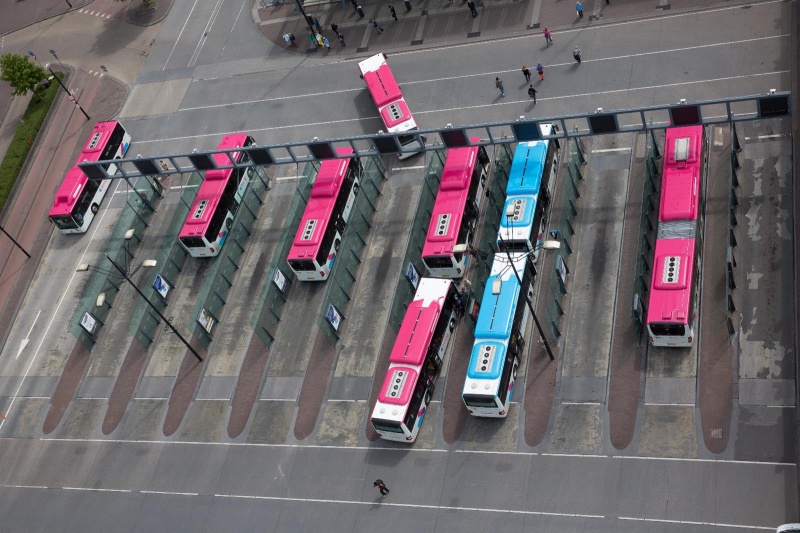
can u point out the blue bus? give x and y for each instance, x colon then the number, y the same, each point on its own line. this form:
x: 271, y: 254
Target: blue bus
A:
x: 530, y: 180
x: 499, y: 336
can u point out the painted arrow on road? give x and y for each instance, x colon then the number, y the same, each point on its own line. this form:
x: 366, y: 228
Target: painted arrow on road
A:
x: 27, y: 338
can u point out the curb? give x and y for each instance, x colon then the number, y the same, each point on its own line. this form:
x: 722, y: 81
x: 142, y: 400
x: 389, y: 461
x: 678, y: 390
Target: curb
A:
x: 47, y: 18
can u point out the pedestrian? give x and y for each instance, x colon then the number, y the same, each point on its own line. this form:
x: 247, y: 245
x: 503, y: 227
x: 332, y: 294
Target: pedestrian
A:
x: 360, y: 11
x: 318, y: 25
x: 381, y: 487
x: 408, y: 4
x: 310, y: 21
x: 532, y: 93
x: 579, y: 9
x: 394, y: 14
x: 289, y: 38
x: 312, y: 39
x: 377, y: 27
x: 472, y: 9
x: 326, y: 43
x: 548, y: 37
x: 526, y: 72
x: 499, y: 84
x: 335, y: 28
x: 540, y: 70
x: 341, y: 39
x: 319, y: 39
x: 576, y: 53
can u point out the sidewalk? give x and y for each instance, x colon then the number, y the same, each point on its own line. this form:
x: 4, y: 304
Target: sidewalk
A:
x: 437, y: 22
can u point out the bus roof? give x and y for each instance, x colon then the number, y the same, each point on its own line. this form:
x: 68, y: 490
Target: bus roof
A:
x: 451, y: 200
x: 75, y: 180
x: 671, y: 282
x: 211, y: 189
x: 382, y: 85
x: 416, y: 332
x: 398, y: 385
x: 321, y: 202
x: 485, y: 363
x: 680, y: 180
x: 525, y: 176
x: 497, y: 310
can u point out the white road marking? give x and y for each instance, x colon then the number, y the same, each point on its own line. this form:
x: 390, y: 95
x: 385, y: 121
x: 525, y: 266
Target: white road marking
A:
x: 97, y: 225
x: 604, y: 150
x: 27, y: 338
x: 415, y: 167
x: 177, y: 40
x: 287, y: 178
x: 472, y: 75
x: 211, y: 20
x: 456, y: 109
x: 408, y: 506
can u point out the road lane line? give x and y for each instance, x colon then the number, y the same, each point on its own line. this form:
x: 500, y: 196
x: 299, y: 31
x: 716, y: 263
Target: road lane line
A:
x: 453, y: 109
x: 604, y: 150
x: 177, y: 40
x: 692, y: 523
x: 212, y: 19
x: 472, y: 75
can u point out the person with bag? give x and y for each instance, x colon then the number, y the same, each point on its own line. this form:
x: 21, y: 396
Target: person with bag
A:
x: 540, y: 70
x: 532, y: 93
x: 576, y: 53
x: 548, y: 37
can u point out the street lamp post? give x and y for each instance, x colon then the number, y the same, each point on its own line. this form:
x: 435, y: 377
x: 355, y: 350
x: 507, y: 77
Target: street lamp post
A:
x: 69, y: 94
x: 149, y: 263
x: 15, y: 242
x: 53, y: 52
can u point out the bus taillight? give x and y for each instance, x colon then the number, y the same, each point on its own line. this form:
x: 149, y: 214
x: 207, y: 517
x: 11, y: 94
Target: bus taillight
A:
x: 690, y: 340
x: 322, y: 273
x: 502, y: 413
x: 458, y: 270
x: 211, y: 248
x: 410, y: 437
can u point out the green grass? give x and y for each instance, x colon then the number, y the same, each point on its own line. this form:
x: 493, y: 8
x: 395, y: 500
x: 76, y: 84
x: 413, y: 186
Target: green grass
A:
x: 24, y: 138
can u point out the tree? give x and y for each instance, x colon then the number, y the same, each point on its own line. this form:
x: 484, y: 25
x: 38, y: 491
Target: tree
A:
x: 21, y: 74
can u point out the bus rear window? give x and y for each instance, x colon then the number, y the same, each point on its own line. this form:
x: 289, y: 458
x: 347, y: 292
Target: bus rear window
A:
x: 438, y: 261
x: 474, y: 400
x: 668, y: 330
x: 302, y: 265
x: 387, y: 426
x: 193, y: 242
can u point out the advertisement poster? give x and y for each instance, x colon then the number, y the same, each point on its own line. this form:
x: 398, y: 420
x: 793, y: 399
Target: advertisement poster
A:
x: 206, y: 320
x: 161, y: 286
x: 89, y: 323
x: 333, y: 317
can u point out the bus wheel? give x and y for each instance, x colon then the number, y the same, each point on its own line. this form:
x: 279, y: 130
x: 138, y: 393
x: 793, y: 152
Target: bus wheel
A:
x: 427, y: 398
x: 514, y: 371
x: 95, y: 208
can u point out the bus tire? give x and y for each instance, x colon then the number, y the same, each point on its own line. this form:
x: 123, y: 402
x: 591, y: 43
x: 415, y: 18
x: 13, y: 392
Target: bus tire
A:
x: 427, y: 398
x: 95, y: 208
x: 514, y: 372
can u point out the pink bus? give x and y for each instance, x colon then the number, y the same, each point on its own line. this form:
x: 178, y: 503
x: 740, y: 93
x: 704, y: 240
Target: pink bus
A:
x: 674, y: 285
x: 78, y: 198
x: 211, y: 217
x: 415, y: 360
x: 455, y: 213
x: 390, y: 102
x: 320, y: 232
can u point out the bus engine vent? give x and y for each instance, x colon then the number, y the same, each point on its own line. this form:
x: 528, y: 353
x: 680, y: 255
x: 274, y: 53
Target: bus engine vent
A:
x: 395, y: 111
x: 95, y: 140
x: 519, y: 209
x: 485, y: 360
x: 201, y: 207
x: 682, y: 149
x: 308, y: 231
x: 442, y: 224
x: 399, y: 378
x: 672, y: 268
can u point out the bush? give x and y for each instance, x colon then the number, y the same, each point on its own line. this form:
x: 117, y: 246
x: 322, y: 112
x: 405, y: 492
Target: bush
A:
x: 24, y: 138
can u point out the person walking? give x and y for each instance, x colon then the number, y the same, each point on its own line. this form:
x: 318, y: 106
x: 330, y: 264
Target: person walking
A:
x: 335, y: 28
x: 377, y: 27
x: 472, y: 8
x: 499, y: 84
x: 341, y: 39
x: 317, y: 25
x: 532, y: 93
x: 312, y: 39
x: 289, y: 38
x: 327, y: 43
x: 360, y: 11
x: 381, y: 488
x: 579, y: 9
x: 548, y: 37
x: 408, y: 5
x: 576, y: 53
x: 318, y: 37
x: 540, y: 70
x: 393, y: 12
x: 526, y: 72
